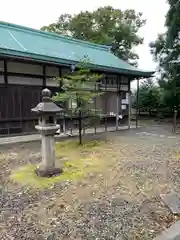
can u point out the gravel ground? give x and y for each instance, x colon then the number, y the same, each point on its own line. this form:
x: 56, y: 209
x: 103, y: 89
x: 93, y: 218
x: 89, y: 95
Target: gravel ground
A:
x: 120, y: 203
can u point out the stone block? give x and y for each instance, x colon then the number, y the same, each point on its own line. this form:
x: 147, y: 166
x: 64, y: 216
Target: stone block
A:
x: 172, y: 200
x: 48, y: 172
x: 172, y: 233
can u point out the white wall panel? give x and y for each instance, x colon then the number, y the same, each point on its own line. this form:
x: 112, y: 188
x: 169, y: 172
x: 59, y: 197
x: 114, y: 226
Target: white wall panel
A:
x: 124, y: 80
x: 65, y: 71
x: 25, y: 81
x: 17, y: 67
x: 52, y: 71
x: 52, y: 82
x: 111, y: 102
x: 98, y: 103
x: 124, y: 87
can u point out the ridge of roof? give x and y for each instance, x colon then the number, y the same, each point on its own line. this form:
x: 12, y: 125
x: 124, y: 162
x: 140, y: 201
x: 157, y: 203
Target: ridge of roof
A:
x: 55, y: 36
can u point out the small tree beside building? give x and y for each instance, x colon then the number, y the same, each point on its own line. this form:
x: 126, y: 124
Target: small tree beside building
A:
x: 80, y: 88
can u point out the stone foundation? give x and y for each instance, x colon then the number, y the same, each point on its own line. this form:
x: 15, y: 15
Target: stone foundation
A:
x: 48, y: 172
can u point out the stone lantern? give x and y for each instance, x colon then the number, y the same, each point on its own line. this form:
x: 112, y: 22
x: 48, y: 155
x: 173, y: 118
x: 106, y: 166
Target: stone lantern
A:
x: 47, y: 127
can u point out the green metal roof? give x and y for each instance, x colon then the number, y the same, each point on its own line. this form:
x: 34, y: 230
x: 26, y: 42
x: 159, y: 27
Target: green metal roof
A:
x: 23, y: 42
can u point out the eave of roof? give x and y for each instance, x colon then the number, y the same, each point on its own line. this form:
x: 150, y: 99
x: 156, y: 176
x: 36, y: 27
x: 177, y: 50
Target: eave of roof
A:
x: 36, y: 57
x: 7, y: 52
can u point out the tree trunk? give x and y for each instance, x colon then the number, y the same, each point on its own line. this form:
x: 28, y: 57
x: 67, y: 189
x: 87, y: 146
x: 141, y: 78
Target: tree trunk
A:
x: 80, y: 127
x: 79, y: 118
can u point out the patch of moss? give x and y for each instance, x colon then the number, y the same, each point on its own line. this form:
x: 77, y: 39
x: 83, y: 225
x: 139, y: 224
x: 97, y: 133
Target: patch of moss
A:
x: 74, y: 144
x: 72, y: 170
x: 71, y: 146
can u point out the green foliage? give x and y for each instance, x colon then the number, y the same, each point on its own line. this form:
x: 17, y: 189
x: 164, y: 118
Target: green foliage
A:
x: 173, y: 23
x: 80, y: 88
x: 166, y: 51
x: 149, y: 97
x: 105, y: 25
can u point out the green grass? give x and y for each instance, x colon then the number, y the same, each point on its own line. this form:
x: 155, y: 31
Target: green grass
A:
x: 75, y: 167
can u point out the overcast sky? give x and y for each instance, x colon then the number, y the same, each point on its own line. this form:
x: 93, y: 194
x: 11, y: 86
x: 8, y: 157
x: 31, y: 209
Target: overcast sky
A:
x: 37, y: 13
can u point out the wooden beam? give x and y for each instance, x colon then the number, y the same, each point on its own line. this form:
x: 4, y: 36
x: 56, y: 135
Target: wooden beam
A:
x: 28, y: 75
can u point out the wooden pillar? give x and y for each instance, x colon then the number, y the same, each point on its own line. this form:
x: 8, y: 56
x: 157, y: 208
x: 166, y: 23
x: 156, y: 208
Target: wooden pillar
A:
x: 129, y: 110
x: 120, y: 98
x: 95, y: 112
x: 71, y: 130
x: 175, y: 101
x: 44, y: 76
x: 129, y: 105
x: 106, y: 104
x: 60, y: 76
x: 117, y: 104
x: 6, y: 84
x: 5, y: 72
x: 137, y: 103
x: 60, y: 88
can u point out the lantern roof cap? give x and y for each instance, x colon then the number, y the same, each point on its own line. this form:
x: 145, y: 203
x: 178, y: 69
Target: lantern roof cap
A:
x: 47, y: 105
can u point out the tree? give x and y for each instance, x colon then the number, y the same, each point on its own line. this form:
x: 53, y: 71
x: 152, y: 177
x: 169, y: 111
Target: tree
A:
x: 106, y: 25
x: 166, y: 51
x: 149, y: 97
x: 80, y: 87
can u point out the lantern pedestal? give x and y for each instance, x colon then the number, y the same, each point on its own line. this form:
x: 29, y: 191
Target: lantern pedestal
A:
x: 47, y: 128
x: 47, y: 166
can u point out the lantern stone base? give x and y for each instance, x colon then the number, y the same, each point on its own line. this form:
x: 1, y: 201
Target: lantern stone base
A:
x: 48, y: 172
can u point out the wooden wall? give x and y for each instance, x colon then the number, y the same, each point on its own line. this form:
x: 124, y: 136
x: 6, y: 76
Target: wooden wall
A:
x: 20, y: 90
x: 21, y: 84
